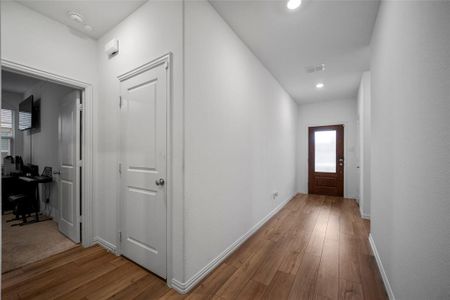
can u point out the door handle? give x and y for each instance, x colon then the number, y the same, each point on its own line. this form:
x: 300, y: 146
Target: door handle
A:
x: 160, y: 182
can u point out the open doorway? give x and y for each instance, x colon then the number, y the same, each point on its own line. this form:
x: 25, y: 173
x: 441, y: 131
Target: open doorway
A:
x: 326, y: 160
x: 41, y: 168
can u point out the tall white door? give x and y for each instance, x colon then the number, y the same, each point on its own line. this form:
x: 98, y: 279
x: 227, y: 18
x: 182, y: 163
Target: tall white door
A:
x: 143, y: 168
x: 69, y: 157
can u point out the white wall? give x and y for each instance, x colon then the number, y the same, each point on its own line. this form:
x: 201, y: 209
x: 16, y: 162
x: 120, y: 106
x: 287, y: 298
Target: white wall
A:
x: 11, y: 101
x: 240, y: 138
x: 328, y: 113
x: 364, y: 136
x: 154, y: 30
x: 410, y: 207
x: 33, y: 40
x: 44, y: 141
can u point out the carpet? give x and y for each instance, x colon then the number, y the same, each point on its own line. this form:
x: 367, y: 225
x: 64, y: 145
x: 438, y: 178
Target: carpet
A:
x: 22, y: 245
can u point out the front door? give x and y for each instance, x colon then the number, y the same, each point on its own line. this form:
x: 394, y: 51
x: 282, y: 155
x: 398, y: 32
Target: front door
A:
x: 143, y: 168
x: 326, y: 160
x: 69, y: 157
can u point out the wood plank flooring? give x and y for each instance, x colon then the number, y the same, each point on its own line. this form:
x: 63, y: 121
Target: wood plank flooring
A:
x: 316, y: 247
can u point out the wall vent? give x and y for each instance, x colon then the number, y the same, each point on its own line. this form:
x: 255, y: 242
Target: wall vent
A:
x: 316, y: 68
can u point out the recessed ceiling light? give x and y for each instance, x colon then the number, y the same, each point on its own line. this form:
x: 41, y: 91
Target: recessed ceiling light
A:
x: 76, y: 17
x: 293, y: 4
x: 320, y: 85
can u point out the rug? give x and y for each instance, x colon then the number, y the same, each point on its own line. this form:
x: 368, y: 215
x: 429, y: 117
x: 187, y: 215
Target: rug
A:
x: 22, y: 245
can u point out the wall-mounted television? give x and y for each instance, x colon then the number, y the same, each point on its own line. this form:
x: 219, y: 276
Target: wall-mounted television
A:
x: 30, y: 114
x: 36, y: 116
x: 26, y: 114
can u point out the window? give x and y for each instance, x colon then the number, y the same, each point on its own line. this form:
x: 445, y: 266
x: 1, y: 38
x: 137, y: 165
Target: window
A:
x: 325, y: 155
x: 6, y: 131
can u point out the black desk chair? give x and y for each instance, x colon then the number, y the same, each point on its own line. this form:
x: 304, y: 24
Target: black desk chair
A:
x: 27, y: 201
x: 19, y: 202
x: 9, y: 187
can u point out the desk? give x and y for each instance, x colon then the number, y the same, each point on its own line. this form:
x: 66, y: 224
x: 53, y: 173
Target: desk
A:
x: 29, y: 185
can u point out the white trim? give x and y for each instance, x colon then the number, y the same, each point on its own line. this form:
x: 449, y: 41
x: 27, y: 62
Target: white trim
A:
x: 105, y: 244
x: 167, y: 60
x: 185, y: 287
x: 363, y: 215
x: 41, y: 74
x: 88, y: 137
x: 387, y: 285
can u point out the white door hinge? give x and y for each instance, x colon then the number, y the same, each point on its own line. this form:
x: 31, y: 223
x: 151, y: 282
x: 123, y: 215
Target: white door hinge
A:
x: 80, y: 163
x: 80, y: 107
x: 120, y: 236
x: 166, y: 65
x: 120, y: 101
x: 120, y: 168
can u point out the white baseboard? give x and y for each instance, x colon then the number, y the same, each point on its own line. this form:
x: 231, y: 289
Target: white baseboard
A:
x: 381, y: 268
x: 184, y: 287
x: 363, y: 215
x: 105, y: 244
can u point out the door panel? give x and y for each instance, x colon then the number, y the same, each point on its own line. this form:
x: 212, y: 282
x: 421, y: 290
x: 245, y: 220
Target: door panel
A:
x: 326, y: 160
x: 143, y: 164
x: 69, y: 139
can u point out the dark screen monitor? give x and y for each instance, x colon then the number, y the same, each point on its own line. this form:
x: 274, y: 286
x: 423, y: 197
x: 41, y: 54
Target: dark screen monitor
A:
x: 26, y: 114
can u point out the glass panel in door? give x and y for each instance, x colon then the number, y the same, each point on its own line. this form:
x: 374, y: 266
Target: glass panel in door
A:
x: 325, y: 151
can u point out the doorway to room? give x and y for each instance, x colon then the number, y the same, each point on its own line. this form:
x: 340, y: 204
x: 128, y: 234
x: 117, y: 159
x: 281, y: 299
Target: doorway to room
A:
x: 326, y: 160
x: 41, y: 132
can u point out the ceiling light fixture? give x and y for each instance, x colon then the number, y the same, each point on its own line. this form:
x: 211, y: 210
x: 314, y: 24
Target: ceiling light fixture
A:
x: 293, y: 4
x: 320, y: 85
x: 76, y: 17
x: 88, y: 28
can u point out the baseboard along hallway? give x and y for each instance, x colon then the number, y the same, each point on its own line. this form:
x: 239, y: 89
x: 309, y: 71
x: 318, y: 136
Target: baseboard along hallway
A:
x: 316, y: 247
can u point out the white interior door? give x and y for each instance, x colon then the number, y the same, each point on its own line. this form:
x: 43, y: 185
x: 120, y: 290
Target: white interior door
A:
x: 69, y: 154
x: 143, y: 168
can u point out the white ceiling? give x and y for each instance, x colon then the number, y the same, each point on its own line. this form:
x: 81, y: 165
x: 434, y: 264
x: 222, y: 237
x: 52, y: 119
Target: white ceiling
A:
x: 336, y: 33
x: 102, y: 15
x: 16, y: 83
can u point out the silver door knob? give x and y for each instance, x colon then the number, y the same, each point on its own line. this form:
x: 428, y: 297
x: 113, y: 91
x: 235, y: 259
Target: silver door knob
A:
x: 160, y: 181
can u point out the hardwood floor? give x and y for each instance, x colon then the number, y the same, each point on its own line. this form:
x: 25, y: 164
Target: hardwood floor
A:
x: 314, y: 248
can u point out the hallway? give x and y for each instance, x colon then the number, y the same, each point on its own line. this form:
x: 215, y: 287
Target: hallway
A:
x: 316, y: 247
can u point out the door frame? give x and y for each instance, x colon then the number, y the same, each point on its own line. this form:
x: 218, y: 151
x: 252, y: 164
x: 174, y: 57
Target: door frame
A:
x: 167, y: 60
x: 306, y: 148
x: 87, y: 139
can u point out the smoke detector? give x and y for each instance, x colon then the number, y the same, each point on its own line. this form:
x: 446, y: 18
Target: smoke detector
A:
x: 79, y: 19
x: 76, y: 17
